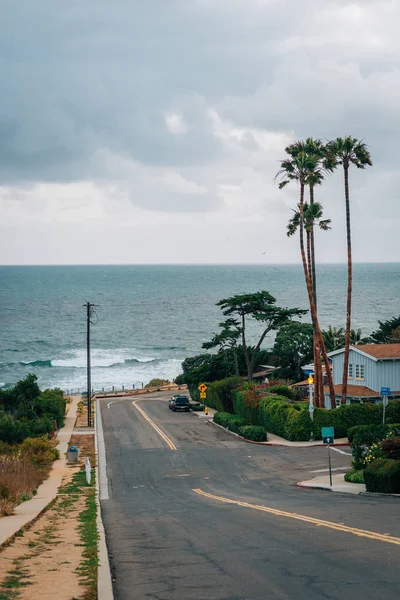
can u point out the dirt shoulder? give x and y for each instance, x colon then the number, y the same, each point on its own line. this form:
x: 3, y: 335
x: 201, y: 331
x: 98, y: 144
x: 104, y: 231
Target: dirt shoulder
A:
x: 57, y: 556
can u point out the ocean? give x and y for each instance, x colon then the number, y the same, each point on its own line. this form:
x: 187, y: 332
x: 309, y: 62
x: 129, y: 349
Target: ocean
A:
x: 149, y: 318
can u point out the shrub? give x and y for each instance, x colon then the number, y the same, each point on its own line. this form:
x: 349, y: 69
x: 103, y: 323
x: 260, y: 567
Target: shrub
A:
x: 383, y: 475
x: 220, y: 394
x: 256, y: 433
x: 283, y: 390
x: 157, y: 382
x: 41, y: 452
x: 355, y: 476
x: 196, y: 407
x: 391, y: 448
x: 363, y: 437
x: 229, y: 421
x: 299, y: 426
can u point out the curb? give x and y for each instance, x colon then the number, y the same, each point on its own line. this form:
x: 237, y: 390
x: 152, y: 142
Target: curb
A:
x: 274, y: 444
x: 313, y: 487
x: 104, y: 582
x: 379, y: 495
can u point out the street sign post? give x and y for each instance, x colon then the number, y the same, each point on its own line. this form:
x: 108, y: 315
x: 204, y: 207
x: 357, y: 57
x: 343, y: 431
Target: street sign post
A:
x: 328, y: 437
x: 385, y: 392
x: 202, y: 389
x: 310, y: 381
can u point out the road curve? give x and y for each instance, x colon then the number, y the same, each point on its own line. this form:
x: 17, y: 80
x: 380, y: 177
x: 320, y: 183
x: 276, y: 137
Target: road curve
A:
x: 186, y: 523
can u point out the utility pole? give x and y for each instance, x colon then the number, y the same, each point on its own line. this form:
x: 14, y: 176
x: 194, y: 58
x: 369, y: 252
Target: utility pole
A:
x: 89, y: 311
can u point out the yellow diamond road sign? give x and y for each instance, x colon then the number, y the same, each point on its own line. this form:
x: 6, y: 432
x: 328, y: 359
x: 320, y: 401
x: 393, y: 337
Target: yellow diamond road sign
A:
x: 202, y: 387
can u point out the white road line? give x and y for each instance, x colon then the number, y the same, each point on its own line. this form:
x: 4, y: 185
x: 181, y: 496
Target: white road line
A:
x: 103, y: 479
x: 341, y: 451
x: 327, y: 470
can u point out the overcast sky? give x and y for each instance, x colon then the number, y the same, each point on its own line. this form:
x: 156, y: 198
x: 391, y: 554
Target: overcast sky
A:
x: 150, y: 131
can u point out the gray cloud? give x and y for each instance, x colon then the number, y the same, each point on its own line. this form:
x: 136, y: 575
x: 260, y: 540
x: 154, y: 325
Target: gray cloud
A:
x: 185, y: 107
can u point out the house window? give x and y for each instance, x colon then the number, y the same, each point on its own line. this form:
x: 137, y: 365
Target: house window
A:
x: 350, y: 376
x: 360, y: 371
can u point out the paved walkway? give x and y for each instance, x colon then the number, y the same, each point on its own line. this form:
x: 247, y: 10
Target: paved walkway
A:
x: 27, y: 511
x: 338, y: 484
x: 275, y: 440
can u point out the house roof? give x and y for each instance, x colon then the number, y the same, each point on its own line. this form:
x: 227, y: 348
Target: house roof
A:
x: 374, y: 351
x: 358, y: 391
x: 300, y: 383
x: 381, y: 351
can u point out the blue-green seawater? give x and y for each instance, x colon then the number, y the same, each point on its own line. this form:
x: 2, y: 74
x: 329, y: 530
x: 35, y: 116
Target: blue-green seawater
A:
x: 151, y: 317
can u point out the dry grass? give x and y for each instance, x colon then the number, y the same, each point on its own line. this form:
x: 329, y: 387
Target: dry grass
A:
x: 22, y: 469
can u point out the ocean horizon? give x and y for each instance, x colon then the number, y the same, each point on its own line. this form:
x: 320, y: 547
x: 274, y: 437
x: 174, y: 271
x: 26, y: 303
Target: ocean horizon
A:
x: 152, y: 316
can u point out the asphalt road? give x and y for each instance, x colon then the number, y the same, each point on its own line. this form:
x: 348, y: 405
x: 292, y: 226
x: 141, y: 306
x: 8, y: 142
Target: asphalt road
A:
x: 167, y: 541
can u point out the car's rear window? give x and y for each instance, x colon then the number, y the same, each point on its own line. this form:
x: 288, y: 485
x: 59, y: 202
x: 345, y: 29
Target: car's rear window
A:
x: 182, y: 401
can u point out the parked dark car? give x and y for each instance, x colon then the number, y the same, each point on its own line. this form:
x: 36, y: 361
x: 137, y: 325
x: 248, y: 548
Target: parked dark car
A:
x: 171, y: 400
x: 180, y: 403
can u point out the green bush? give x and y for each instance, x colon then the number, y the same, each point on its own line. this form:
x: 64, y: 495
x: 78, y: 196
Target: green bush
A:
x: 256, y: 433
x: 220, y: 394
x: 40, y: 451
x: 391, y: 448
x: 362, y: 437
x: 355, y: 476
x: 283, y: 390
x: 196, y: 407
x: 278, y: 416
x: 229, y: 421
x: 383, y: 475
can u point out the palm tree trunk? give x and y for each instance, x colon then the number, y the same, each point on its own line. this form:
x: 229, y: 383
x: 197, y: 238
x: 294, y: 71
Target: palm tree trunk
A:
x: 319, y: 386
x: 349, y: 285
x: 311, y: 299
x: 317, y: 371
x: 314, y: 277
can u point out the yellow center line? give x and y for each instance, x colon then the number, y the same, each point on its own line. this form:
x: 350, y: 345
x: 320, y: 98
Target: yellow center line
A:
x: 373, y: 535
x: 166, y: 439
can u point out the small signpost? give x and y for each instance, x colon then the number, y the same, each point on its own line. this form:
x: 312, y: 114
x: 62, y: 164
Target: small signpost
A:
x: 328, y: 437
x: 385, y: 392
x: 203, y: 391
x: 310, y: 381
x: 88, y: 470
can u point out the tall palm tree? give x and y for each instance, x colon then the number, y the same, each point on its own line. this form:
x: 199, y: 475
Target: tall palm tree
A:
x: 312, y: 216
x: 348, y: 151
x: 297, y: 168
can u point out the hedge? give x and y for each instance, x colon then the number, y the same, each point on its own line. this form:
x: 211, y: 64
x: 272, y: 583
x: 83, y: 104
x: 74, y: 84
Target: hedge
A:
x: 383, y: 475
x: 229, y: 421
x: 363, y: 436
x: 284, y: 419
x: 219, y: 394
x: 283, y: 390
x: 391, y: 448
x: 356, y: 476
x: 196, y: 407
x: 255, y: 433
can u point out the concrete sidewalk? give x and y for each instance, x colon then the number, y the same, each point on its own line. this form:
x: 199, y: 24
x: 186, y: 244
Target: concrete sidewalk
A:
x: 28, y: 511
x: 275, y: 440
x: 202, y: 415
x: 338, y: 484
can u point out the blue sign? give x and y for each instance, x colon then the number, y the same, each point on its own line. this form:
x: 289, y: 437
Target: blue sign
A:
x: 386, y: 392
x: 328, y: 435
x: 328, y: 432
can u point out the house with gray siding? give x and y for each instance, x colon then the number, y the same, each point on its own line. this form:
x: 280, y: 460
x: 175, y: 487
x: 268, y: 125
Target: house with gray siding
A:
x: 371, y: 367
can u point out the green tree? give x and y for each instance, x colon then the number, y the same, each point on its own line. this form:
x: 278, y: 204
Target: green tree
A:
x: 348, y: 151
x: 334, y: 338
x: 227, y: 339
x: 293, y: 348
x: 261, y: 307
x: 387, y: 332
